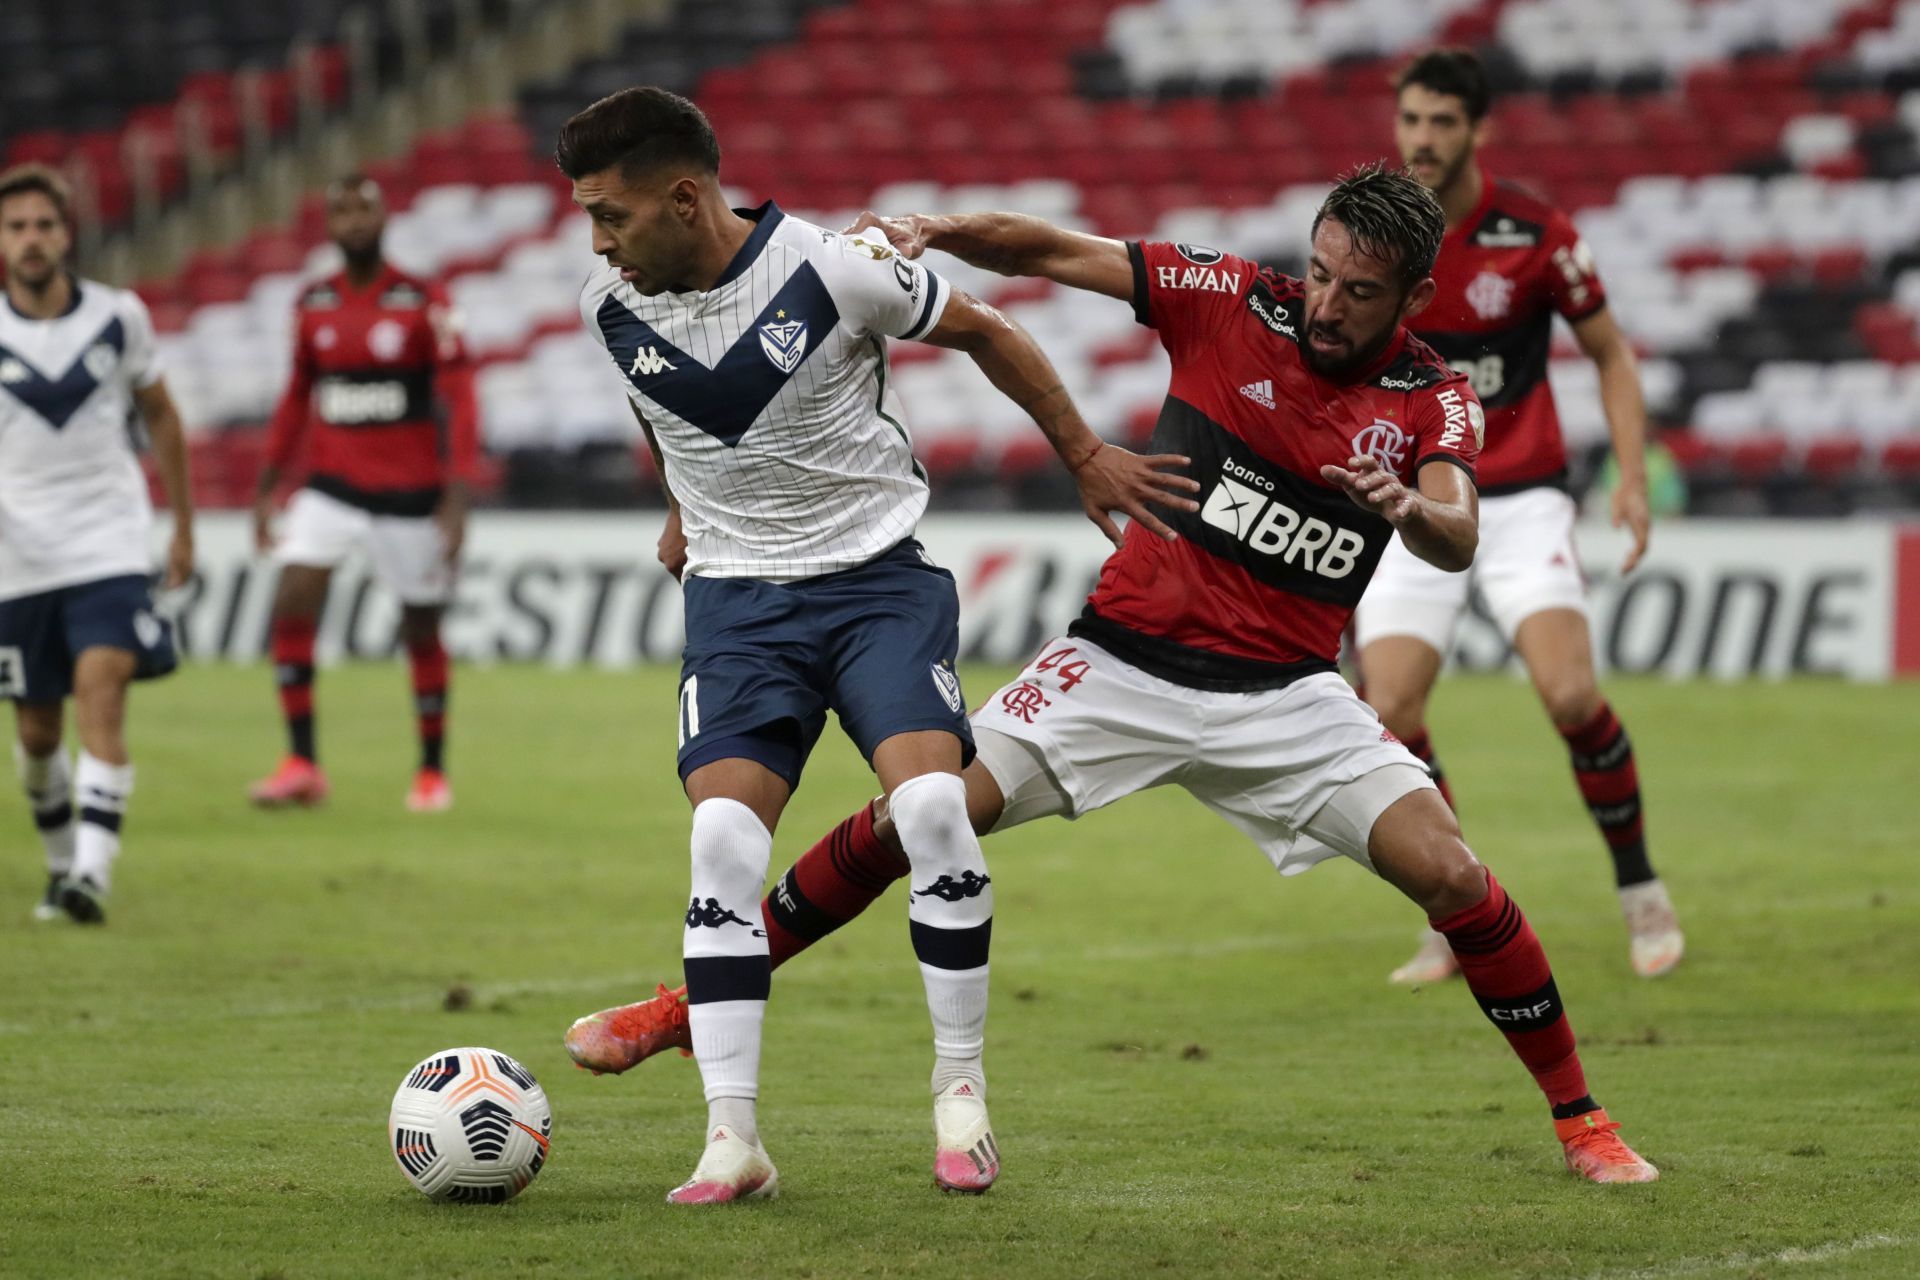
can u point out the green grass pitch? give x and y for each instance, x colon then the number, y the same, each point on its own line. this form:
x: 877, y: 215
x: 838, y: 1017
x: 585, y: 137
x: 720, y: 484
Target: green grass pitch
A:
x: 1196, y: 1068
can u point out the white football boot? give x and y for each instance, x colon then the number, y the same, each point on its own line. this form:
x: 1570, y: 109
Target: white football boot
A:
x: 1433, y: 962
x: 731, y: 1168
x: 965, y: 1156
x: 1657, y: 941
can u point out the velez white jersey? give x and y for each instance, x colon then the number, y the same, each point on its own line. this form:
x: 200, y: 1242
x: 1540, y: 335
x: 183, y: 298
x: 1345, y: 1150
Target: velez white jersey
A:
x: 73, y: 500
x: 768, y: 395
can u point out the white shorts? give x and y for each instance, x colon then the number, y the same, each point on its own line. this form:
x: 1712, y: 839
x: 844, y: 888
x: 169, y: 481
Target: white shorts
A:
x: 1303, y: 770
x: 1526, y: 563
x: 407, y: 552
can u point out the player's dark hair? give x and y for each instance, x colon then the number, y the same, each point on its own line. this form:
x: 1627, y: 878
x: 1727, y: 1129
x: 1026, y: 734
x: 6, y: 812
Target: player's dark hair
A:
x: 1390, y: 217
x: 1451, y: 71
x: 23, y: 178
x: 637, y: 130
x: 357, y: 182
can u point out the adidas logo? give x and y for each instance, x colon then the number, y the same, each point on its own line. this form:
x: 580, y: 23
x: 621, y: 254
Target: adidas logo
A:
x: 1261, y: 392
x: 964, y: 1091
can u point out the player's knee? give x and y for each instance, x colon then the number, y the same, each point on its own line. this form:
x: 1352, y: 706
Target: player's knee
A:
x: 1570, y: 704
x: 731, y: 846
x: 1460, y: 883
x: 39, y: 733
x: 930, y: 814
x: 1402, y: 711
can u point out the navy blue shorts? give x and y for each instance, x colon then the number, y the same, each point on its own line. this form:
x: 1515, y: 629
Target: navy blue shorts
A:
x: 43, y: 635
x: 766, y: 660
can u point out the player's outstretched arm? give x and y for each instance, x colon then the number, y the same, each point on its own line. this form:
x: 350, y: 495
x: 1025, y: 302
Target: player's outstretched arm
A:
x: 170, y: 455
x: 1012, y: 244
x: 1439, y: 521
x: 1626, y: 409
x: 1110, y: 478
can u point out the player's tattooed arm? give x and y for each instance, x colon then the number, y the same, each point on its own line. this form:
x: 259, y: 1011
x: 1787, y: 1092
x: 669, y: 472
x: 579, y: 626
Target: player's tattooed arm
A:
x: 1439, y: 521
x: 672, y: 550
x: 170, y: 458
x: 1012, y: 244
x: 1110, y: 478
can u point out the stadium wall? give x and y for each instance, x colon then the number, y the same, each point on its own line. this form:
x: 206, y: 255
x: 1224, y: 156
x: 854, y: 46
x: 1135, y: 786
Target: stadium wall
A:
x: 1721, y: 599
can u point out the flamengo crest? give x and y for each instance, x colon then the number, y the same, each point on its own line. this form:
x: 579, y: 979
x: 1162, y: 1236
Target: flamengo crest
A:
x: 1384, y: 442
x: 1490, y: 295
x: 784, y: 342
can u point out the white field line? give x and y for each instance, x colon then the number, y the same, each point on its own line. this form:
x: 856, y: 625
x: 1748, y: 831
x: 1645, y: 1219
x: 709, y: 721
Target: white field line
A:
x: 1747, y: 1261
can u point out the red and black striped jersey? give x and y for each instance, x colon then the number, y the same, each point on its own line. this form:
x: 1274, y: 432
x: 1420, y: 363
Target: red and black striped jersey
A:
x: 1503, y: 271
x: 369, y: 364
x: 1261, y: 582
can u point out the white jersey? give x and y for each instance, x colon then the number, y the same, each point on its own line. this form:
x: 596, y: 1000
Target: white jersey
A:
x: 73, y: 500
x: 768, y: 396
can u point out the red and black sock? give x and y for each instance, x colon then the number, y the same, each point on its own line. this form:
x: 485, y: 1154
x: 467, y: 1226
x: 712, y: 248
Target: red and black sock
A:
x: 1610, y: 784
x: 832, y: 883
x: 1507, y: 971
x: 291, y: 643
x: 427, y: 660
x: 1422, y: 747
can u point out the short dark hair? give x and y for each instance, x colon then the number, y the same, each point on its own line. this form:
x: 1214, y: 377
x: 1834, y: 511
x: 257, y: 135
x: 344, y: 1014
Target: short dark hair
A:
x: 1390, y: 217
x: 1452, y: 71
x: 23, y: 178
x: 357, y: 181
x: 637, y: 129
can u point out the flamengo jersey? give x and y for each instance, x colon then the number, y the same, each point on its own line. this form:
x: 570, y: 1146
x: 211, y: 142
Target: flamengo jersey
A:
x: 768, y: 396
x: 1503, y: 272
x: 1260, y: 584
x: 368, y: 364
x: 73, y: 500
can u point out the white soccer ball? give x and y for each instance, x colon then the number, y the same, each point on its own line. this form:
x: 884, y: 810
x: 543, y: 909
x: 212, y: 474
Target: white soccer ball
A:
x: 470, y: 1126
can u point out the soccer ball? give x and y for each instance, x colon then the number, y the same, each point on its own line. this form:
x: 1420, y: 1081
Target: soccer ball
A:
x: 470, y: 1126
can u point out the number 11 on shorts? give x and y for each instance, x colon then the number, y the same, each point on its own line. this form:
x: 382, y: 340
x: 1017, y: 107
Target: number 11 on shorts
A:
x: 689, y: 709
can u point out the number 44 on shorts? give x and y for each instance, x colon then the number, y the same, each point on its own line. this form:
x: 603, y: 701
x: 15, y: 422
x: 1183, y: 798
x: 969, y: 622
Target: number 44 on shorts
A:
x: 1068, y: 673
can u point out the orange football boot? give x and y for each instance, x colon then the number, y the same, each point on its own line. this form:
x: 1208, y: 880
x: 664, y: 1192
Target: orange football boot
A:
x: 295, y: 782
x: 1596, y: 1155
x: 613, y: 1040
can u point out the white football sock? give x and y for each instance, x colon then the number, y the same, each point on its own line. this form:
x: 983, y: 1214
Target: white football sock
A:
x: 48, y: 781
x: 725, y: 948
x: 950, y: 908
x: 102, y: 797
x: 948, y: 1072
x: 737, y: 1115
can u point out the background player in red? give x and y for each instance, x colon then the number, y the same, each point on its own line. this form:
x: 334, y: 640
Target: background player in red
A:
x: 1210, y: 660
x: 1509, y: 263
x: 382, y: 397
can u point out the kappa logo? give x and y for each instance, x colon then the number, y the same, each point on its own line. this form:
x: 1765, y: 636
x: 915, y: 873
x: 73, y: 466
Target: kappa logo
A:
x: 712, y: 915
x: 784, y: 342
x: 647, y: 361
x: 1384, y: 442
x: 12, y: 371
x: 947, y: 889
x: 949, y: 686
x: 1261, y: 392
x: 1490, y: 295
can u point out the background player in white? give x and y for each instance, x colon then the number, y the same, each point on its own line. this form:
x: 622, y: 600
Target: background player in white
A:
x: 1509, y: 263
x: 753, y: 346
x: 76, y: 614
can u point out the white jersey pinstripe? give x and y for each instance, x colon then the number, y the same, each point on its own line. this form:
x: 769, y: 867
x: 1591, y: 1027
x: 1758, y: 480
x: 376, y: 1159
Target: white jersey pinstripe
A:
x: 768, y: 395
